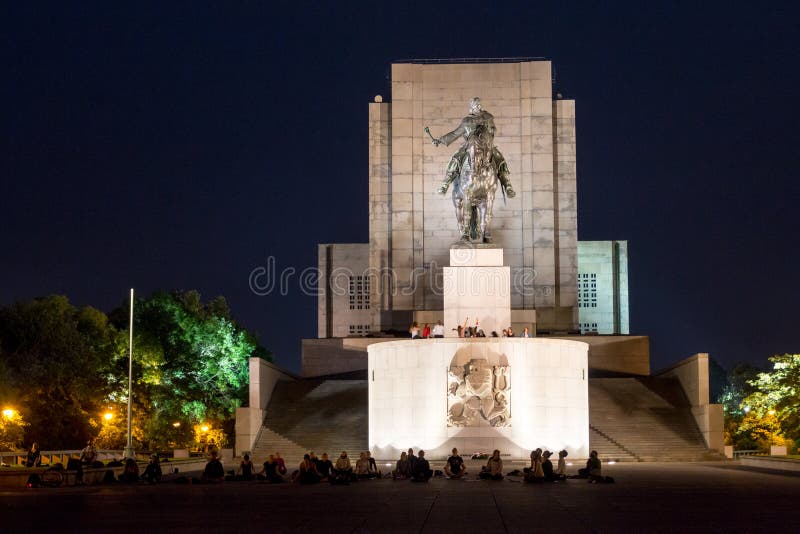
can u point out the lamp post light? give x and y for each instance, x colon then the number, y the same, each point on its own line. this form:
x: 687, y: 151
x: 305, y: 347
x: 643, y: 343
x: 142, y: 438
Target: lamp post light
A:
x: 8, y: 413
x: 129, y: 452
x: 108, y: 416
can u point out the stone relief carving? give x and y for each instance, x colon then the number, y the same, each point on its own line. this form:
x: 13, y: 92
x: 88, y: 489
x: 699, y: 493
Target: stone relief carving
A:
x: 478, y: 395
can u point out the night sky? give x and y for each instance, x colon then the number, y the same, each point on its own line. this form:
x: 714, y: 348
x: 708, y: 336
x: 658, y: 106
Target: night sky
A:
x: 180, y: 145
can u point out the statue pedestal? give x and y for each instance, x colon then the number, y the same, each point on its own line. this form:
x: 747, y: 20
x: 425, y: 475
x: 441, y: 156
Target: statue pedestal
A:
x: 477, y: 286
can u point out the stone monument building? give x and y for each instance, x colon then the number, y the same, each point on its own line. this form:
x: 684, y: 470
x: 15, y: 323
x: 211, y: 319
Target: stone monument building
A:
x: 562, y: 389
x: 411, y: 226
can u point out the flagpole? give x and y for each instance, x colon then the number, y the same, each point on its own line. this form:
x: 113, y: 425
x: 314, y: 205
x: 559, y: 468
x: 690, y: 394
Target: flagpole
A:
x: 129, y: 452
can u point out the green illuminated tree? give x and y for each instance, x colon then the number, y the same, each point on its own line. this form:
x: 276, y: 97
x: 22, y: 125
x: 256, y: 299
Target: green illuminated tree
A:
x: 777, y: 394
x: 191, y: 365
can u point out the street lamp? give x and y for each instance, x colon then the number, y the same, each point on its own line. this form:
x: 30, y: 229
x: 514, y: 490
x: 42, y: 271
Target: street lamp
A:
x: 129, y: 452
x: 108, y: 416
x: 8, y: 413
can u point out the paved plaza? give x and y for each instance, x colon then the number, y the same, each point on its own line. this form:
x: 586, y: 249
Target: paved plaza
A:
x: 645, y: 497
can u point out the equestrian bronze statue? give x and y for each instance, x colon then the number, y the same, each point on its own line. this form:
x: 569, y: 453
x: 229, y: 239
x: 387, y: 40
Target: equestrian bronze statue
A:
x: 475, y: 172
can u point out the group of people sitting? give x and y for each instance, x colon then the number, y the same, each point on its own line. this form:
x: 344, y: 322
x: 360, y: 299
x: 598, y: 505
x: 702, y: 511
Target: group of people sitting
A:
x: 426, y: 332
x: 463, y: 331
x: 411, y: 467
x: 312, y: 469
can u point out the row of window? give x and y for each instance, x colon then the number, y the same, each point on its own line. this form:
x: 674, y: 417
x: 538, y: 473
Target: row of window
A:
x: 587, y: 290
x: 360, y: 329
x: 359, y: 293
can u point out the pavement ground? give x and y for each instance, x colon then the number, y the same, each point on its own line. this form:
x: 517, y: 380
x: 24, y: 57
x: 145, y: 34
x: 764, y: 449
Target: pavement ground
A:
x: 721, y: 496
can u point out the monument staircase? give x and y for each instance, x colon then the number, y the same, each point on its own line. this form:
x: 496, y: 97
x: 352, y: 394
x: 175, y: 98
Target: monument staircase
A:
x: 320, y: 415
x: 643, y: 419
x: 640, y: 419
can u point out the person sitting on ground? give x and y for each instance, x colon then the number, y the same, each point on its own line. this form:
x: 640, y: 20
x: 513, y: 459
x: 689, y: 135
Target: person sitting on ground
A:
x: 593, y: 469
x: 547, y: 467
x: 493, y: 470
x: 307, y: 474
x: 414, y: 330
x: 270, y: 471
x: 280, y: 465
x: 505, y: 332
x: 34, y: 457
x: 343, y: 469
x: 152, y: 473
x: 454, y: 468
x: 426, y: 331
x: 373, y: 467
x: 130, y: 473
x: 438, y: 329
x: 525, y: 332
x: 561, y: 470
x: 422, y: 469
x: 245, y: 471
x: 402, y: 469
x: 510, y: 332
x: 494, y: 333
x: 362, y: 466
x: 214, y: 472
x: 535, y: 473
x: 411, y: 459
x: 89, y: 453
x: 325, y: 467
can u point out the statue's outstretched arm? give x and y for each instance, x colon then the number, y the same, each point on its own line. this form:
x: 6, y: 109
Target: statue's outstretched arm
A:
x: 448, y: 138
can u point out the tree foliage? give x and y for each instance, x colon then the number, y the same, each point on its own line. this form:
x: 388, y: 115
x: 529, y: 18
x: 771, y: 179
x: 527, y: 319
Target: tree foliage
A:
x: 54, y: 355
x: 63, y: 366
x: 777, y: 393
x: 762, y: 408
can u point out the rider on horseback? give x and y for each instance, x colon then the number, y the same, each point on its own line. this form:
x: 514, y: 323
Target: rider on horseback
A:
x: 477, y: 122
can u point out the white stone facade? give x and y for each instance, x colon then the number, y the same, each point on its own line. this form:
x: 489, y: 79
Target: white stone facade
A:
x: 603, y: 287
x: 412, y: 227
x: 408, y: 396
x: 476, y: 290
x: 344, y: 308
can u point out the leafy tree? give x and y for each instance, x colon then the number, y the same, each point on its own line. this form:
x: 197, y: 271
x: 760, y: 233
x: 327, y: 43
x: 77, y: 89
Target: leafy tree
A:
x: 61, y: 367
x: 12, y: 430
x: 777, y: 394
x: 737, y: 388
x: 191, y: 363
x: 57, y: 354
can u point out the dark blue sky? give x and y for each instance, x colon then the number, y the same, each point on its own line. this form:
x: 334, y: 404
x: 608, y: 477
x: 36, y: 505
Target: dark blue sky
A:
x: 179, y: 145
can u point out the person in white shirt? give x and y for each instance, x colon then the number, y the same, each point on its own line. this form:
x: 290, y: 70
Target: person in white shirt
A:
x: 438, y: 329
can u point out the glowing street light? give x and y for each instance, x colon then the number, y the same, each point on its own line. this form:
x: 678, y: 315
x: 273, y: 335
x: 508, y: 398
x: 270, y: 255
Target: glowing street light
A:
x: 204, y: 428
x: 8, y: 413
x: 176, y: 424
x: 771, y: 412
x: 108, y: 416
